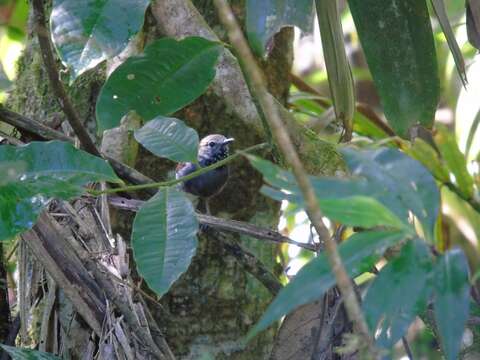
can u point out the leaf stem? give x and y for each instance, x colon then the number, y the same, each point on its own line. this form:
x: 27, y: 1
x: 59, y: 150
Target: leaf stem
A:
x: 172, y: 182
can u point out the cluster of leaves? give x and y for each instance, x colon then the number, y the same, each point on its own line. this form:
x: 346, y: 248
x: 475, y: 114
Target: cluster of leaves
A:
x: 386, y: 187
x: 391, y: 195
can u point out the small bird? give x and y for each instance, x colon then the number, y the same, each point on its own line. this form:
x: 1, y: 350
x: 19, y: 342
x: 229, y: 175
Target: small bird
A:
x: 212, y: 149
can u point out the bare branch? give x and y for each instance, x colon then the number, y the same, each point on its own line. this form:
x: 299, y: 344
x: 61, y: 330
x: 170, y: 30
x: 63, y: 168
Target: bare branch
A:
x: 32, y: 126
x: 227, y: 225
x: 280, y: 133
x: 73, y: 118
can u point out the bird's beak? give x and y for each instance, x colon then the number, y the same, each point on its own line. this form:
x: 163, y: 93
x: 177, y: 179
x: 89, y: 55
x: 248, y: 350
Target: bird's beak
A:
x: 228, y: 141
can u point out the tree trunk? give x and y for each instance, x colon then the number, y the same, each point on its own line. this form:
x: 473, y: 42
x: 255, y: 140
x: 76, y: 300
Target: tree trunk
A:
x: 212, y: 306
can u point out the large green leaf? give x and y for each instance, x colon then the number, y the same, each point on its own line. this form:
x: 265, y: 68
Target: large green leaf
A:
x: 164, y: 238
x: 454, y: 160
x: 359, y: 253
x: 169, y: 138
x: 28, y: 354
x: 167, y: 76
x: 451, y: 302
x: 37, y: 173
x: 340, y: 80
x: 397, y: 181
x: 399, y: 292
x: 265, y: 18
x: 356, y: 210
x: 88, y: 32
x: 397, y: 39
x: 426, y: 154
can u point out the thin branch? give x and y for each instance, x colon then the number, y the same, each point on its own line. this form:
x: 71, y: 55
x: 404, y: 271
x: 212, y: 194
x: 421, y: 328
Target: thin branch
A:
x: 33, y: 127
x: 406, y: 346
x: 28, y: 125
x: 192, y: 175
x: 232, y: 226
x: 280, y: 133
x: 73, y: 118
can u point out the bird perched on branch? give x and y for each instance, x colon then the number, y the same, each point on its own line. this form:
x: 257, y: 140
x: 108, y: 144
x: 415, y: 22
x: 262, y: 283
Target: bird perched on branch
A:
x: 212, y: 149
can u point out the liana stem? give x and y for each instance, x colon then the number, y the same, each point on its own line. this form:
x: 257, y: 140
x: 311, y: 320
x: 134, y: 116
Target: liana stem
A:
x: 190, y: 176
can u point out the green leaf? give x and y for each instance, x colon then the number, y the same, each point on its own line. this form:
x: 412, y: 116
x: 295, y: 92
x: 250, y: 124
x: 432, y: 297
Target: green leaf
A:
x: 441, y: 12
x: 359, y: 253
x: 28, y: 354
x: 167, y: 76
x: 169, y: 138
x: 451, y: 300
x: 397, y: 39
x: 454, y: 160
x: 399, y: 182
x: 473, y: 23
x: 266, y: 18
x: 399, y: 292
x: 164, y: 238
x: 340, y: 80
x: 39, y: 172
x: 360, y: 211
x: 395, y: 180
x: 422, y: 151
x: 87, y: 32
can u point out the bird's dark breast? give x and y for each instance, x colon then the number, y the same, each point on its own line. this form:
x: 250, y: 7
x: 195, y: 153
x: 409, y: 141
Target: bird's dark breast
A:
x: 208, y: 184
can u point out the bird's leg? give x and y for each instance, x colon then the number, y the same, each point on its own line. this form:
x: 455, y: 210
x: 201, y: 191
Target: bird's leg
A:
x: 207, y: 207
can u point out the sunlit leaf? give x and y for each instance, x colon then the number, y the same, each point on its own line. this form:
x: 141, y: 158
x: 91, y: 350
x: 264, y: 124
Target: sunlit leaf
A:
x: 399, y: 293
x: 359, y: 253
x: 423, y: 152
x: 265, y: 18
x: 39, y: 172
x: 454, y: 160
x: 399, y: 182
x: 395, y: 180
x: 164, y: 238
x: 87, y: 32
x: 452, y: 299
x: 340, y: 78
x: 169, y: 138
x: 167, y: 76
x: 397, y: 39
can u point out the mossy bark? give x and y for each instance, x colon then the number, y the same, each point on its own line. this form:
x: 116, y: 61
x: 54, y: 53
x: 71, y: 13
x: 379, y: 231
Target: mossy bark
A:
x: 213, y: 305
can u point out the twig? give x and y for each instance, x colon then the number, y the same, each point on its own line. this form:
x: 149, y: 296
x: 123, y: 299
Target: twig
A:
x: 33, y: 127
x: 73, y: 118
x: 233, y: 226
x: 408, y: 351
x: 255, y: 76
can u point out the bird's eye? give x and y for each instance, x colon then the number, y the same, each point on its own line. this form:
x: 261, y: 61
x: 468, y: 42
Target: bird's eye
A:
x: 211, y: 144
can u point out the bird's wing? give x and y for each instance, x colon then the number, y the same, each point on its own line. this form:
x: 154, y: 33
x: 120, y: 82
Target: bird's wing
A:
x: 183, y: 169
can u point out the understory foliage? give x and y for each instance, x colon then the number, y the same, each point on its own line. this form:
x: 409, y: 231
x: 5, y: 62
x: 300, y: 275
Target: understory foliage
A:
x: 402, y: 168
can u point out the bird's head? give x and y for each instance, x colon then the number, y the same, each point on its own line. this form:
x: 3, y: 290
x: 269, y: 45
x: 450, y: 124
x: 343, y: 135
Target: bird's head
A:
x: 213, y: 148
